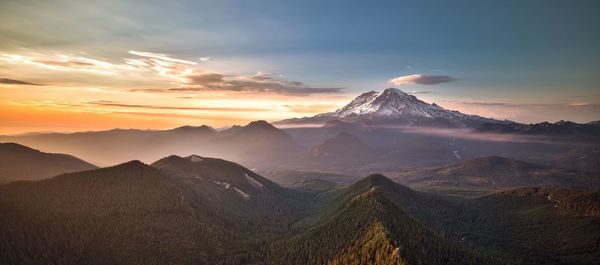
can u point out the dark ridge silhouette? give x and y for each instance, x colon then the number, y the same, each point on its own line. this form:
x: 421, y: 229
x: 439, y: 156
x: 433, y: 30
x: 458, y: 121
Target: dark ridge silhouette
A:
x: 18, y: 162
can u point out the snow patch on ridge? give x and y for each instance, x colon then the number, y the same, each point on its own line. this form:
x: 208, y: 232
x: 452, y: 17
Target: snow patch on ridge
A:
x: 245, y: 195
x: 227, y: 186
x: 255, y: 183
x: 195, y: 158
x: 223, y: 184
x: 553, y: 200
x: 455, y: 152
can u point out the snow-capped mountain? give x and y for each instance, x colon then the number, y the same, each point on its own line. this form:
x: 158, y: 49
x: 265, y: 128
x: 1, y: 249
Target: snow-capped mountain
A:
x: 396, y: 107
x: 390, y: 103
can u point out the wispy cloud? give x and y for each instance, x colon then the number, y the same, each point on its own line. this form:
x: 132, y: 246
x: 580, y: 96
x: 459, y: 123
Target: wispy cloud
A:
x: 528, y: 112
x: 469, y: 135
x: 258, y: 83
x: 8, y: 81
x: 105, y: 103
x: 419, y: 92
x: 162, y: 57
x: 421, y: 80
x: 507, y: 104
x: 183, y: 76
x: 584, y: 105
x: 162, y: 64
x: 310, y: 108
x: 485, y: 103
x: 61, y: 62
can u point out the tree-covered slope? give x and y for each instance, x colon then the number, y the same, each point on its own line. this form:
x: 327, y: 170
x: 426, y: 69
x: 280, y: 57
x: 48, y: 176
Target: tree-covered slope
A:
x: 371, y: 229
x: 498, y: 172
x: 126, y: 214
x: 536, y: 226
x: 197, y: 210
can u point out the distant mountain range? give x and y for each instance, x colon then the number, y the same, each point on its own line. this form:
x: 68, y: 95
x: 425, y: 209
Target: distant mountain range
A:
x: 377, y: 131
x: 397, y: 130
x: 393, y: 107
x: 198, y: 210
x: 18, y: 162
x: 256, y: 142
x: 564, y: 130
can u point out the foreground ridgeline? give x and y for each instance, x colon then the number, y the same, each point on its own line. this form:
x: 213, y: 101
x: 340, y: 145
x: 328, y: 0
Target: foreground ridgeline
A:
x: 199, y: 210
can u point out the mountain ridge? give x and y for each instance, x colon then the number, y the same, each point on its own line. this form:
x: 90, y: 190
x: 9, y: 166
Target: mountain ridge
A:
x: 19, y: 162
x: 256, y: 142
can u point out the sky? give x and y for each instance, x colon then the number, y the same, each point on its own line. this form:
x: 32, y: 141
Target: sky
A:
x: 69, y: 65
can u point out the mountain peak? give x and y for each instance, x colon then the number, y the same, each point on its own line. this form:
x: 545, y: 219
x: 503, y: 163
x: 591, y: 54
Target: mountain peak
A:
x: 200, y: 129
x: 394, y: 106
x: 15, y: 147
x: 259, y: 124
x: 389, y: 103
x: 132, y: 164
x: 345, y: 135
x: 395, y: 91
x: 377, y: 180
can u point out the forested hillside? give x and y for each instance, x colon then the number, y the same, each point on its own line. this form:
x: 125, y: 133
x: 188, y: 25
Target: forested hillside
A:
x: 198, y: 210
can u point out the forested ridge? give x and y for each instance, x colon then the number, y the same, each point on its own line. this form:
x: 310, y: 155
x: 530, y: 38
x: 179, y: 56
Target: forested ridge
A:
x: 196, y: 210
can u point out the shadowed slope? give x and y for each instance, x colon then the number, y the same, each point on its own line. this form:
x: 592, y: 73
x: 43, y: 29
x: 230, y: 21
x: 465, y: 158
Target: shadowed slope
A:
x: 369, y: 228
x: 130, y: 213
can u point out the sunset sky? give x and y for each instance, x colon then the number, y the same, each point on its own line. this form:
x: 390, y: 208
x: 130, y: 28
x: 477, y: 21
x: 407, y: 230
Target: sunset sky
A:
x: 71, y: 65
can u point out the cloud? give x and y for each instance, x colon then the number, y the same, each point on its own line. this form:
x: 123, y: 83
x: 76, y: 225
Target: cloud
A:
x: 7, y: 81
x: 419, y: 92
x: 204, y: 59
x: 506, y: 104
x: 584, y: 105
x: 62, y: 62
x: 421, y: 80
x: 157, y: 63
x: 182, y: 75
x: 470, y: 135
x: 162, y: 65
x: 483, y: 103
x: 162, y: 57
x: 258, y: 83
x: 106, y: 103
x: 311, y: 108
x: 193, y: 79
x: 205, y: 78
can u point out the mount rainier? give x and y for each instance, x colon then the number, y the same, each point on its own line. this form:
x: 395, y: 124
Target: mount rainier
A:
x: 395, y: 107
